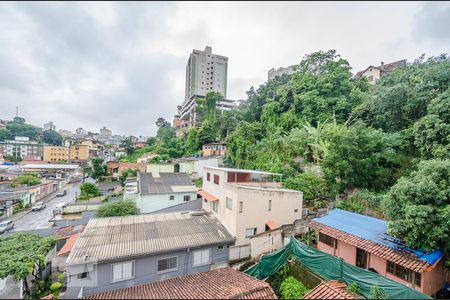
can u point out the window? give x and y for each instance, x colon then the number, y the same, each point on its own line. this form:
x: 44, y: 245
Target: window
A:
x: 208, y: 176
x: 201, y: 258
x: 220, y: 248
x: 249, y: 232
x: 326, y: 239
x: 241, y: 206
x: 216, y: 179
x: 82, y: 275
x: 172, y: 197
x: 187, y: 198
x: 167, y: 264
x: 122, y: 271
x: 270, y: 205
x: 215, y: 206
x: 370, y: 78
x: 229, y: 203
x: 403, y: 273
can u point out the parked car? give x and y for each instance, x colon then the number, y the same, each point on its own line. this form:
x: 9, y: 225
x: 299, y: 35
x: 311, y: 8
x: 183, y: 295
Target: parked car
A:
x: 6, y: 226
x: 61, y: 194
x: 38, y: 206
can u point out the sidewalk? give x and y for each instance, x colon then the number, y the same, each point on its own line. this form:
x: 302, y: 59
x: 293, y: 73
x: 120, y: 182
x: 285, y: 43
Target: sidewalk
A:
x: 46, y: 199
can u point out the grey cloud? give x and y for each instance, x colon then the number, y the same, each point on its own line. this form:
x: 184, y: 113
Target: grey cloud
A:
x: 432, y: 23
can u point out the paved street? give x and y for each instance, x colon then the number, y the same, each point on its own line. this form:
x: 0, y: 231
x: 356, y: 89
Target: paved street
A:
x: 39, y: 219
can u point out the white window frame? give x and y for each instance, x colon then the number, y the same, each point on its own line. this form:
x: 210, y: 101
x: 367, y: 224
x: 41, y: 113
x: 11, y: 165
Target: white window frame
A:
x: 122, y: 278
x: 216, y: 205
x: 229, y: 203
x: 167, y: 270
x: 254, y: 232
x: 205, y: 257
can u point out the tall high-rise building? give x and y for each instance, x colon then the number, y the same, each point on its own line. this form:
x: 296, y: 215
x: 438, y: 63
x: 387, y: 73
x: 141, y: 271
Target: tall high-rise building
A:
x: 105, y: 131
x: 49, y: 126
x: 205, y: 72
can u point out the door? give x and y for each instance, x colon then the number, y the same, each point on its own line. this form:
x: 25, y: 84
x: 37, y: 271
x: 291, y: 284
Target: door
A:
x: 361, y: 258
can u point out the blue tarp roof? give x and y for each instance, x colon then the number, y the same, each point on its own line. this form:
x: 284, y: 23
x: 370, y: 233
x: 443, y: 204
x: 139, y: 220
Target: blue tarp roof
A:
x: 372, y: 229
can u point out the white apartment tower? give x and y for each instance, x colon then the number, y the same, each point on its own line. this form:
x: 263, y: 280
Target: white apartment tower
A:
x: 205, y: 72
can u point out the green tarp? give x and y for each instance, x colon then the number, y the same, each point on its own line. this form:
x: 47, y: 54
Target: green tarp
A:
x: 330, y: 267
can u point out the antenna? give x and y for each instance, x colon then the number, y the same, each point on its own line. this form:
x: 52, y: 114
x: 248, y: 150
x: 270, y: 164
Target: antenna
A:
x: 17, y: 111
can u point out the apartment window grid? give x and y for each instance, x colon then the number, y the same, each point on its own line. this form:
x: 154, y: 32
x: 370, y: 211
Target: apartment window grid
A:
x: 403, y: 273
x: 326, y: 239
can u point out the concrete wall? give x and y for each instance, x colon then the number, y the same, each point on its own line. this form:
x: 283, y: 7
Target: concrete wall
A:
x: 145, y: 270
x: 265, y: 243
x: 372, y: 72
x: 85, y: 217
x: 154, y: 202
x: 160, y: 168
x: 186, y: 206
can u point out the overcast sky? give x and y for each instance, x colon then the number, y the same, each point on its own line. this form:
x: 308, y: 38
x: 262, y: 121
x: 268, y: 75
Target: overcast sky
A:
x: 122, y: 65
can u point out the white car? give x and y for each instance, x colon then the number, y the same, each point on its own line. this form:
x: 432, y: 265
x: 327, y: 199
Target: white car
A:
x: 6, y: 226
x: 38, y: 206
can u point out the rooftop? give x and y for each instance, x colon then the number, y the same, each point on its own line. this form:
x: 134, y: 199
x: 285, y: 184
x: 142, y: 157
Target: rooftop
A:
x: 370, y: 234
x: 112, y: 238
x: 165, y: 183
x: 332, y: 289
x: 50, y: 166
x: 216, y: 284
x: 241, y: 171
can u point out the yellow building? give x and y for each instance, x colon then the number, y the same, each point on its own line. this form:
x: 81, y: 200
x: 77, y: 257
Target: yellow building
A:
x: 79, y: 152
x: 55, y: 153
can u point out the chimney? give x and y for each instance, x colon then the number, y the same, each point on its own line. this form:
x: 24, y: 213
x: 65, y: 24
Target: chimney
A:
x: 382, y: 65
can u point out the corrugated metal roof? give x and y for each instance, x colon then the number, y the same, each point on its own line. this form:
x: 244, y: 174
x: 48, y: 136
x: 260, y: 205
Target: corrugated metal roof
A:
x: 149, y: 184
x: 120, y: 237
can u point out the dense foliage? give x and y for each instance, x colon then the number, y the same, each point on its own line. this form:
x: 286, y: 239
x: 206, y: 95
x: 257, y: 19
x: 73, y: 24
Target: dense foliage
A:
x: 22, y: 254
x: 51, y: 137
x: 98, y: 169
x: 291, y: 288
x: 88, y: 190
x: 117, y: 208
x: 27, y: 179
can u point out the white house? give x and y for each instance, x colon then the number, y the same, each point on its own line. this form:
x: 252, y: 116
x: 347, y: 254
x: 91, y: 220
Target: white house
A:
x: 156, y: 191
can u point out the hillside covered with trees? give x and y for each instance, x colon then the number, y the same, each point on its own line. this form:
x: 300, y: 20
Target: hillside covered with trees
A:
x: 381, y: 149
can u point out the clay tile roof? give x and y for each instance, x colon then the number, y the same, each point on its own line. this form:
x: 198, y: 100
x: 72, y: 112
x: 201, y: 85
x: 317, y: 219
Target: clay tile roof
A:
x: 66, y: 232
x: 272, y: 225
x: 69, y: 244
x: 207, y: 196
x: 216, y: 284
x: 403, y: 258
x: 330, y: 290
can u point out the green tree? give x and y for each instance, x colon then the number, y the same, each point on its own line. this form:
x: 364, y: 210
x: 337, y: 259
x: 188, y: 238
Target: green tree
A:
x: 207, y: 133
x: 98, y: 168
x: 192, y: 145
x: 127, y: 145
x: 88, y: 190
x: 314, y: 188
x: 19, y: 128
x: 23, y: 254
x: 27, y: 179
x: 161, y: 122
x: 418, y: 206
x: 241, y: 142
x: 51, y: 137
x: 125, y: 174
x: 11, y: 158
x: 291, y: 288
x: 117, y: 209
x: 151, y: 141
x: 360, y: 157
x: 5, y: 134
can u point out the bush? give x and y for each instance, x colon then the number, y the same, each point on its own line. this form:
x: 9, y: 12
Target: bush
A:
x: 56, y: 286
x: 28, y: 179
x: 377, y: 293
x: 117, y: 208
x: 291, y: 288
x: 354, y: 287
x: 88, y: 190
